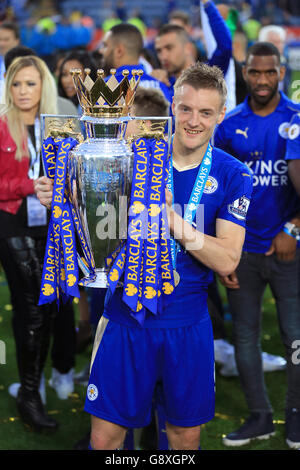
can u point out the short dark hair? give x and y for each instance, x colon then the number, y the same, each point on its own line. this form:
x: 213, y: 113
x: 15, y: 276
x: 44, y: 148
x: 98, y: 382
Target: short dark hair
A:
x: 18, y: 51
x: 201, y: 75
x: 12, y: 27
x: 150, y: 102
x: 173, y: 28
x: 130, y: 36
x: 262, y: 49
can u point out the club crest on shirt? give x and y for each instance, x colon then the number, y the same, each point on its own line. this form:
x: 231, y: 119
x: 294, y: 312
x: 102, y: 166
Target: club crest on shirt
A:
x: 294, y: 131
x: 92, y: 392
x: 283, y: 129
x: 211, y: 185
x: 239, y: 208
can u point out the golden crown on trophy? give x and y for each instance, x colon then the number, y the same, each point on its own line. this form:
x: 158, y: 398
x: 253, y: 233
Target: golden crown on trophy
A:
x: 106, y: 98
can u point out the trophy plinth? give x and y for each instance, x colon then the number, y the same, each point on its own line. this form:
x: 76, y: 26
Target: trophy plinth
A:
x: 100, y: 282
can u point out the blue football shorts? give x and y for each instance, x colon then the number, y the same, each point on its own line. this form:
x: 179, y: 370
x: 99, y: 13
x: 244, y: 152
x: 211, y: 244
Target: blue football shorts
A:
x: 128, y: 362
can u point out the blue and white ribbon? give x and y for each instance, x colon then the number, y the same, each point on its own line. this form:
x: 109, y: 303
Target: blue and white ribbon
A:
x: 60, y: 271
x: 143, y: 263
x: 195, y: 196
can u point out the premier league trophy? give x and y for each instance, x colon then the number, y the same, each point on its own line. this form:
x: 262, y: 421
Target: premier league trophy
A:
x: 108, y: 199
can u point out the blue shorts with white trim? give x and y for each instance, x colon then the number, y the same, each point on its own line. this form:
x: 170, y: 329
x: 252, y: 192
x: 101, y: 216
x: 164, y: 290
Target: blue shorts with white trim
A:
x: 128, y: 362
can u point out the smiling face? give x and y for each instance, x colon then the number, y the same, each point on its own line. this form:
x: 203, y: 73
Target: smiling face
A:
x: 26, y: 89
x: 262, y: 75
x: 197, y: 111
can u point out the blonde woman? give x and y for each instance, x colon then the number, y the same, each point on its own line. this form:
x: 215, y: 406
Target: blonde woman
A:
x: 30, y: 90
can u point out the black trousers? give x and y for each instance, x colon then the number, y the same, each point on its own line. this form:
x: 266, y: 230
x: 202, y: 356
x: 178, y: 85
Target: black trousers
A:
x: 216, y: 311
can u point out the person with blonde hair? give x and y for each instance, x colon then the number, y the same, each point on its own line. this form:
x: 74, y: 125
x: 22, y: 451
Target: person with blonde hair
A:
x: 46, y: 98
x: 30, y: 90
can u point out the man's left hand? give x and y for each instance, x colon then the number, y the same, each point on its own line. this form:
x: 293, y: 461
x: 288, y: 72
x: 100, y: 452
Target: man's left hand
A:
x: 284, y: 246
x: 43, y: 188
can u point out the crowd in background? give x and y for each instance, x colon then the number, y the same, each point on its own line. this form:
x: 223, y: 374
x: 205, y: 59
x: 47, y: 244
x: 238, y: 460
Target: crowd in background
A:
x: 51, y: 27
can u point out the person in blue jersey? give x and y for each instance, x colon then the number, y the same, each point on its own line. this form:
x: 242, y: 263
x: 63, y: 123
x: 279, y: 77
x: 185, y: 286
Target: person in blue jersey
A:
x: 121, y: 49
x: 175, y: 347
x: 172, y: 46
x: 256, y: 133
x: 173, y: 49
x: 292, y: 155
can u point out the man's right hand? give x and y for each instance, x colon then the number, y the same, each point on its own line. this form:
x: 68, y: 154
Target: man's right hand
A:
x: 43, y: 188
x: 231, y: 281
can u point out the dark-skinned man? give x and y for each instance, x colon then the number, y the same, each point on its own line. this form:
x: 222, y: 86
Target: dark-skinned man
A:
x: 256, y: 133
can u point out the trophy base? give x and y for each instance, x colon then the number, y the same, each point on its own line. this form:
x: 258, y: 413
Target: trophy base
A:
x: 100, y: 281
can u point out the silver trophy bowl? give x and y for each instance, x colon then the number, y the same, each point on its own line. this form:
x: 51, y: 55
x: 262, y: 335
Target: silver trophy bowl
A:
x: 99, y: 181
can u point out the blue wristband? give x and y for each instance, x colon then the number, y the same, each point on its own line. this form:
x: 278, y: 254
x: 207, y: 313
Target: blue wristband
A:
x: 289, y: 233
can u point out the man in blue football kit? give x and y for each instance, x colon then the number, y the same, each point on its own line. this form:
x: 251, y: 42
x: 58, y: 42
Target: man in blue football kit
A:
x: 175, y: 347
x: 256, y: 133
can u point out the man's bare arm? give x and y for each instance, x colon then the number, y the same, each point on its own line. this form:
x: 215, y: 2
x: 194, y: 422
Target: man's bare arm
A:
x: 220, y: 253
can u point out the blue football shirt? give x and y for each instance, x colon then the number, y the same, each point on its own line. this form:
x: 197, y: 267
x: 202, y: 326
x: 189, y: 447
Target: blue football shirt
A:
x: 260, y: 142
x: 226, y: 196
